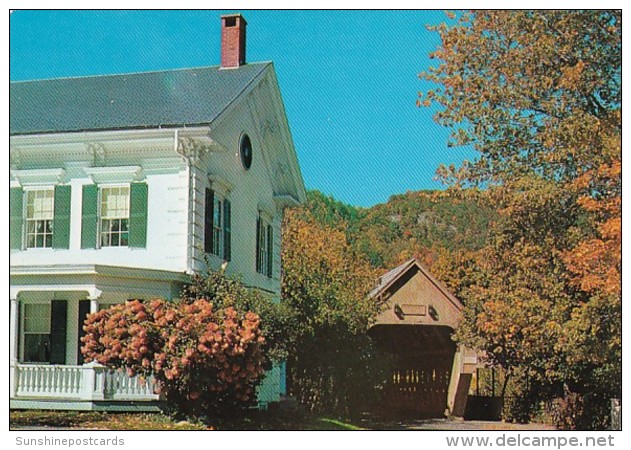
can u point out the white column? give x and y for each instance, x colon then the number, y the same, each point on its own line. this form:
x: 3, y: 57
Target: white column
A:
x: 15, y: 328
x: 92, y: 376
x: 13, y: 344
x: 93, y: 295
x: 94, y: 305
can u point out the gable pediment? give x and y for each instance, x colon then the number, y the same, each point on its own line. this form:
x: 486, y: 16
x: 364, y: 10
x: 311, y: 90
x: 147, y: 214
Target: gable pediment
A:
x: 412, y: 296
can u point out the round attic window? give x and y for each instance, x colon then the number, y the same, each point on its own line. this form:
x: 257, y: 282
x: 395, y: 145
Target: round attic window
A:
x: 245, y: 151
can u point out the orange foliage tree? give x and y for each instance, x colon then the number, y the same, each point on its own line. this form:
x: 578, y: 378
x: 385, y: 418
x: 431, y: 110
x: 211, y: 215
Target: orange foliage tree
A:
x: 538, y: 95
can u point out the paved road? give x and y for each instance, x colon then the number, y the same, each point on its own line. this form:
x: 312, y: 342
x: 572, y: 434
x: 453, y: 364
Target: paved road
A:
x: 454, y: 425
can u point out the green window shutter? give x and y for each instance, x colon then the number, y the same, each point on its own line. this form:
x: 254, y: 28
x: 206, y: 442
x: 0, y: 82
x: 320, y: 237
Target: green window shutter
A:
x: 270, y: 249
x: 16, y: 218
x: 61, y: 218
x: 138, y: 215
x: 58, y: 317
x: 227, y: 232
x: 89, y: 216
x: 208, y: 220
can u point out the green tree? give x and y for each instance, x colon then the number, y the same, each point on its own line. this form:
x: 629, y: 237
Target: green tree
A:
x: 325, y: 283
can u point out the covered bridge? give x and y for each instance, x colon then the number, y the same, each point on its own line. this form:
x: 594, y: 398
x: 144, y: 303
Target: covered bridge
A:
x: 431, y: 374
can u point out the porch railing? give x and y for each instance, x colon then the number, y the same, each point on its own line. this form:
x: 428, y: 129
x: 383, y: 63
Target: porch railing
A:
x: 86, y: 382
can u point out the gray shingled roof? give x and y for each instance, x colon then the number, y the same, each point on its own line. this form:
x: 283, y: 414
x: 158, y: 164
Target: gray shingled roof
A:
x: 385, y: 279
x: 137, y: 100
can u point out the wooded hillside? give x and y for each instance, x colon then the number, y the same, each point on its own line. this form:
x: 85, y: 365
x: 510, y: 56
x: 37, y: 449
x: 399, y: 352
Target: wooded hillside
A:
x: 422, y: 224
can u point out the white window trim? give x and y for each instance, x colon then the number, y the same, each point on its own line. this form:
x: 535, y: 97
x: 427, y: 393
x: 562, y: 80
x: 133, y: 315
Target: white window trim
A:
x: 23, y: 331
x: 99, y: 217
x: 219, y: 184
x: 222, y: 190
x: 25, y: 192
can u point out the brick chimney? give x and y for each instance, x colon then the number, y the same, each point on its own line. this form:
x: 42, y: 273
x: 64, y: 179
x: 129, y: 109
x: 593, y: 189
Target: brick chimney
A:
x: 232, y: 41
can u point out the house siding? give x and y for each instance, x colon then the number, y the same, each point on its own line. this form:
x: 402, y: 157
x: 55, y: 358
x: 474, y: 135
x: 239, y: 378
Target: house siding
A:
x: 166, y: 233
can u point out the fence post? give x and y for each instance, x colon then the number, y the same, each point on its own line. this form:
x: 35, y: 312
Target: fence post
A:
x: 616, y: 414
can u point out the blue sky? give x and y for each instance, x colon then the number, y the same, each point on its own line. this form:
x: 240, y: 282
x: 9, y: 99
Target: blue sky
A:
x: 348, y: 79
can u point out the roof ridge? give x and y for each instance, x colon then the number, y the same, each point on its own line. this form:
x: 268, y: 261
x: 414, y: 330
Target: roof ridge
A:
x: 180, y: 69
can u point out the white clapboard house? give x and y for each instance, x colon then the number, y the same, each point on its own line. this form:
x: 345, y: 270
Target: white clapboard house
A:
x: 121, y: 186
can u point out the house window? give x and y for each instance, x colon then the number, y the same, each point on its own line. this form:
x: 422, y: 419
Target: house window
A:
x: 39, y: 218
x: 37, y: 332
x: 264, y: 247
x: 217, y: 240
x: 245, y: 151
x: 217, y: 226
x: 114, y: 216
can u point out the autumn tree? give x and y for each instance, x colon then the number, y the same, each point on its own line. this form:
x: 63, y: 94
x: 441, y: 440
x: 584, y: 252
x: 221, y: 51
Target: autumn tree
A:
x: 538, y: 95
x: 325, y: 283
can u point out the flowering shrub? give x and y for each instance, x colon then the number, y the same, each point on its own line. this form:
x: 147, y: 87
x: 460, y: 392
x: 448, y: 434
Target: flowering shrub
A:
x: 204, y: 360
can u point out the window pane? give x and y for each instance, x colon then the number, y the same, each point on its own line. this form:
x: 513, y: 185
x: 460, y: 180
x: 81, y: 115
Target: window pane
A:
x: 40, y: 204
x: 36, y: 347
x: 217, y: 213
x: 114, y: 216
x: 36, y: 318
x: 216, y: 241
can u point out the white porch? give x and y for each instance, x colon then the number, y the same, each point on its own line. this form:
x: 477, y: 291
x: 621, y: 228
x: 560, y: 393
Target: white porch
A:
x: 37, y: 384
x: 48, y: 306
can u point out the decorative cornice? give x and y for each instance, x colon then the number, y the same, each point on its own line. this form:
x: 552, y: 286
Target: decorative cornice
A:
x: 96, y: 269
x: 218, y: 181
x: 39, y: 177
x: 97, y: 151
x: 116, y: 174
x: 191, y: 149
x: 286, y: 201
